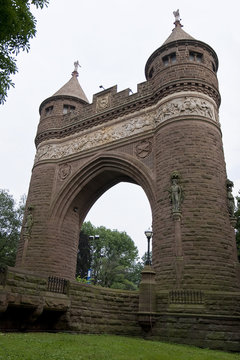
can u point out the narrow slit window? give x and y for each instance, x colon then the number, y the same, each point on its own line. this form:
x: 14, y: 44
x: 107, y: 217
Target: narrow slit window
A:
x: 213, y: 67
x: 151, y: 72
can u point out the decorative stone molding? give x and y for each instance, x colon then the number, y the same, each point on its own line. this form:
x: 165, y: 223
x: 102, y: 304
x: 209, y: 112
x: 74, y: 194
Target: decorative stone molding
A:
x: 143, y: 148
x: 103, y: 102
x: 186, y: 105
x: 101, y: 136
x: 64, y: 171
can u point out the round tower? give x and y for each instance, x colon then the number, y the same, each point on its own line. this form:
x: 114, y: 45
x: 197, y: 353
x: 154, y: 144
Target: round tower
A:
x: 183, y: 63
x: 56, y: 112
x: 67, y: 102
x: 194, y: 242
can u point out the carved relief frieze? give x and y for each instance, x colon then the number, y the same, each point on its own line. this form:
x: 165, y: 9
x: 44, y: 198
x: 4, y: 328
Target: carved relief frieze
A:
x: 101, y: 136
x: 186, y: 105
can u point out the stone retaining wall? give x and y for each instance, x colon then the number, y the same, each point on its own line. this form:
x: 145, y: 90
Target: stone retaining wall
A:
x: 205, y: 319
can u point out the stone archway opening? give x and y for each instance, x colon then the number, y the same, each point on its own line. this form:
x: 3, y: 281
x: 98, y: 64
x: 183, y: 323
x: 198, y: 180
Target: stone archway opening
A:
x: 124, y: 207
x: 75, y: 199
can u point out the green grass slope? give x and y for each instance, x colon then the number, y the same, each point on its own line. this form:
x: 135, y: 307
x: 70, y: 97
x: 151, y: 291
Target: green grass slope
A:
x: 61, y: 346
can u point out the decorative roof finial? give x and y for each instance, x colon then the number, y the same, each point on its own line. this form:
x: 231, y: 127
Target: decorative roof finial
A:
x: 177, y: 18
x: 76, y: 65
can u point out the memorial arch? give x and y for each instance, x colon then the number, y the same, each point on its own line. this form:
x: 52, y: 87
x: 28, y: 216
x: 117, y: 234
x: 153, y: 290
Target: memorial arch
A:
x: 166, y: 138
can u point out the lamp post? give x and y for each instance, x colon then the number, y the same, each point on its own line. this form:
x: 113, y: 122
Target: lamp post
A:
x: 89, y: 273
x: 148, y: 234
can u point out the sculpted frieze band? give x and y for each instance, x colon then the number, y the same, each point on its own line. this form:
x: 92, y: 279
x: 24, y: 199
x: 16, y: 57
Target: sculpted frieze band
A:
x: 174, y: 106
x: 93, y: 139
x: 189, y: 105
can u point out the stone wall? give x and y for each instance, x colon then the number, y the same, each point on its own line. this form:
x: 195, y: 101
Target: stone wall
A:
x: 34, y: 303
x: 101, y: 310
x: 26, y: 302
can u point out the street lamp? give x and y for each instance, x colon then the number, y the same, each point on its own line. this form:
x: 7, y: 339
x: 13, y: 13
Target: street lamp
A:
x: 89, y: 273
x: 148, y: 234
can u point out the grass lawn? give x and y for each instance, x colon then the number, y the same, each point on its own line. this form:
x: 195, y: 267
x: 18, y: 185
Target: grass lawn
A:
x: 61, y: 346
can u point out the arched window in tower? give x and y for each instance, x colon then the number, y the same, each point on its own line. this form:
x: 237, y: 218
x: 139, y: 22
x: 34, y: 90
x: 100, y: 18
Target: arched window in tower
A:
x: 195, y: 56
x: 150, y: 75
x: 68, y: 108
x: 48, y: 110
x: 214, y: 67
x: 169, y: 59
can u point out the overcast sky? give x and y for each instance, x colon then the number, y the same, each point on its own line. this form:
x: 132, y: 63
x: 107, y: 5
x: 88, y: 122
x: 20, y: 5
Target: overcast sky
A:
x: 112, y: 39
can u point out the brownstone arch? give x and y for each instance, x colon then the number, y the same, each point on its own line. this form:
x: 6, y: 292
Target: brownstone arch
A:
x: 98, y: 175
x: 71, y: 205
x: 167, y: 134
x: 166, y: 138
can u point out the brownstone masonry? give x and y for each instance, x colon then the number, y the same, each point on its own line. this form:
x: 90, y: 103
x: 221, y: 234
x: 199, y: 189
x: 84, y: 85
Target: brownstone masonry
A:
x: 167, y: 139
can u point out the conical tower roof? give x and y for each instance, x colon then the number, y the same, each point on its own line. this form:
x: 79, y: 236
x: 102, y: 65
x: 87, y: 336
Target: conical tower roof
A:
x: 178, y: 34
x: 72, y: 87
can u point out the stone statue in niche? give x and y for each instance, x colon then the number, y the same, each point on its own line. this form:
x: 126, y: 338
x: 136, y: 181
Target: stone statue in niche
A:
x: 176, y: 192
x: 230, y: 197
x: 29, y: 222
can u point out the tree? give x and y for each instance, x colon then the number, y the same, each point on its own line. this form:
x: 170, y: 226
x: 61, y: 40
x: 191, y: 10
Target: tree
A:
x: 17, y: 27
x: 112, y: 257
x: 83, y: 256
x: 10, y: 223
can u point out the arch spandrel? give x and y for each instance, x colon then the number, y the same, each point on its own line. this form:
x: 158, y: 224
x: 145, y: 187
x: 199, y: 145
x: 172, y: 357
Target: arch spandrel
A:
x: 97, y: 176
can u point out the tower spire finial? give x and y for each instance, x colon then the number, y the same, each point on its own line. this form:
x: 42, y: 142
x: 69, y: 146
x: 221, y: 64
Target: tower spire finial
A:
x: 76, y: 65
x: 177, y: 18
